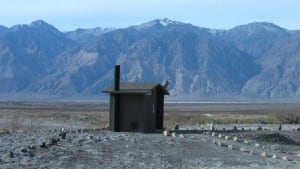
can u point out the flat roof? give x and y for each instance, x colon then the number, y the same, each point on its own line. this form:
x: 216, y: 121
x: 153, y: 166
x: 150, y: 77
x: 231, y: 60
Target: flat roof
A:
x: 138, y: 88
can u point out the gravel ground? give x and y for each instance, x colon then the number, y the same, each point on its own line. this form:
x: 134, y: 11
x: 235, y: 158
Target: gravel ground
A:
x: 104, y: 149
x: 90, y: 148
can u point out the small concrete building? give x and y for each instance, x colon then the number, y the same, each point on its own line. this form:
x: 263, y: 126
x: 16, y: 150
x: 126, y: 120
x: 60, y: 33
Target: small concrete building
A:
x: 135, y: 107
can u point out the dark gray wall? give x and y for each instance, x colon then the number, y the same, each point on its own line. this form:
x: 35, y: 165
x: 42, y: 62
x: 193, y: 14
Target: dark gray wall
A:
x: 113, y: 115
x: 132, y: 110
x: 159, y: 110
x: 137, y: 112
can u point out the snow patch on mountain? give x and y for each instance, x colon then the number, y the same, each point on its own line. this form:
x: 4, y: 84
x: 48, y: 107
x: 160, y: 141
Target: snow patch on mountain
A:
x: 166, y: 22
x: 157, y: 22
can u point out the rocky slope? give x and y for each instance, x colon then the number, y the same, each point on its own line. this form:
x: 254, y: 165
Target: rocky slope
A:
x: 27, y: 52
x: 85, y: 35
x: 257, y: 60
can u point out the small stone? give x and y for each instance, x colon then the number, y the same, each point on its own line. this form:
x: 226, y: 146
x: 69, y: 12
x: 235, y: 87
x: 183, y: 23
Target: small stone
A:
x: 212, y: 127
x: 280, y: 151
x: 275, y: 156
x: 286, y: 158
x: 31, y: 154
x: 252, y: 152
x: 19, y: 131
x: 53, y: 141
x: 63, y: 135
x: 176, y: 127
x: 32, y: 146
x: 220, y: 135
x: 275, y: 147
x: 166, y: 133
x: 173, y: 134
x: 11, y: 154
x: 192, y: 137
x: 227, y: 137
x: 203, y: 139
x: 243, y: 149
x: 220, y: 144
x: 24, y: 150
x: 213, y: 134
x: 181, y: 136
x: 235, y: 138
x: 279, y: 128
x: 257, y: 145
x: 231, y: 147
x: 246, y: 142
x: 264, y: 154
x: 43, y: 145
x: 259, y: 128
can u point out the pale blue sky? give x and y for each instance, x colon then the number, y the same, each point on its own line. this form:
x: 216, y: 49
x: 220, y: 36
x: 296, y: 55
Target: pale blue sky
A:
x: 72, y: 14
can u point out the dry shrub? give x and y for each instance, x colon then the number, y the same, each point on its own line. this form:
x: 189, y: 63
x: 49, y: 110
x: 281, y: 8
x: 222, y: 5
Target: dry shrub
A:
x: 288, y: 118
x: 34, y: 123
x: 15, y: 123
x: 18, y: 122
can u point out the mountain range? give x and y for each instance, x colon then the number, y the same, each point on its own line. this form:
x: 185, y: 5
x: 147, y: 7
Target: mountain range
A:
x: 256, y: 61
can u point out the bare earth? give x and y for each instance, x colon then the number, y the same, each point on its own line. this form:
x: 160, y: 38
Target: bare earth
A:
x: 25, y: 126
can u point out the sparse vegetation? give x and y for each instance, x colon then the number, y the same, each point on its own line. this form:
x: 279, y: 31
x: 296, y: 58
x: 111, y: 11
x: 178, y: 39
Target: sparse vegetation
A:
x: 288, y: 117
x: 32, y: 118
x: 34, y: 122
x: 15, y: 123
x: 194, y: 118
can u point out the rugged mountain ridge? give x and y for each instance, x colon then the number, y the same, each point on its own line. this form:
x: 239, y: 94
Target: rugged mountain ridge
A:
x: 85, y: 35
x: 27, y: 52
x: 257, y: 60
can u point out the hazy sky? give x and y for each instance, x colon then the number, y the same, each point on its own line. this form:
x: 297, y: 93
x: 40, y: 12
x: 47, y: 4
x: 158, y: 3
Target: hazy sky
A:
x: 72, y: 14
